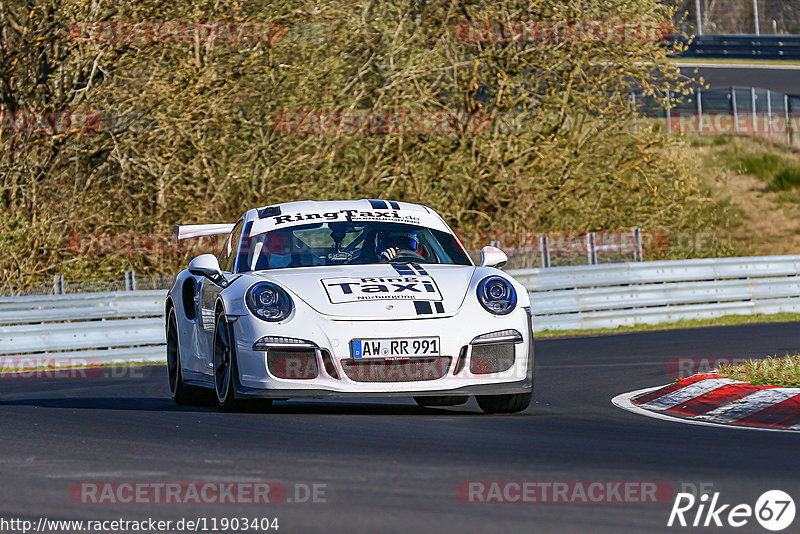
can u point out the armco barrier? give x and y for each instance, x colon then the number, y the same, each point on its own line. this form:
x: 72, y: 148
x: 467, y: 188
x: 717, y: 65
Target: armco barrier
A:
x: 129, y: 325
x: 611, y: 295
x: 96, y: 327
x: 744, y: 46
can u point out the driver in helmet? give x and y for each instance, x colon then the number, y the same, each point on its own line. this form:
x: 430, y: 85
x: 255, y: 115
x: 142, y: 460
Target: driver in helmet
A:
x: 278, y: 249
x: 392, y: 244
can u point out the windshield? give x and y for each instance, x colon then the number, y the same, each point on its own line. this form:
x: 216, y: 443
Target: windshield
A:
x: 349, y: 243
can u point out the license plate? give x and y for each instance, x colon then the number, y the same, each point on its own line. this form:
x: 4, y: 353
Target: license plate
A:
x: 394, y: 347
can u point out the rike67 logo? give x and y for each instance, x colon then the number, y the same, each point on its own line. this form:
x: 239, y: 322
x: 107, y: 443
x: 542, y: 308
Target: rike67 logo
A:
x: 774, y: 510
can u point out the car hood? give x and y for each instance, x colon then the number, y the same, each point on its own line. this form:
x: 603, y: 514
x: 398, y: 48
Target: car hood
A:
x: 380, y: 291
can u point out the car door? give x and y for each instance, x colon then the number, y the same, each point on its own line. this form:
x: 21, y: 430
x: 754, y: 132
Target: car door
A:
x: 209, y: 291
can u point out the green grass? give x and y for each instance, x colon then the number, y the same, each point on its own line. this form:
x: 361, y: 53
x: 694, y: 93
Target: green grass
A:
x: 786, y: 179
x: 710, y: 140
x: 765, y: 165
x: 780, y: 172
x: 773, y: 371
x: 727, y: 320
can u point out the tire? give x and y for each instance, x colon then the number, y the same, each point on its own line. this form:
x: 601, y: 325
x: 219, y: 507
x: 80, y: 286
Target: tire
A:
x: 226, y: 372
x: 513, y: 403
x: 441, y: 400
x: 182, y: 394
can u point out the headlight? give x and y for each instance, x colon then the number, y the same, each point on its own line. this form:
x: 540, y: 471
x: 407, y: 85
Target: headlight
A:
x: 268, y: 302
x: 497, y: 295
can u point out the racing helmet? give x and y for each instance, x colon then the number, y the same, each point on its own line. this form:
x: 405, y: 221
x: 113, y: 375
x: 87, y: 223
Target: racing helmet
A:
x: 400, y: 239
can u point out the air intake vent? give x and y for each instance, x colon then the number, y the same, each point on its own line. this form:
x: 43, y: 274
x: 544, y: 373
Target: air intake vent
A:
x: 293, y: 364
x: 491, y: 358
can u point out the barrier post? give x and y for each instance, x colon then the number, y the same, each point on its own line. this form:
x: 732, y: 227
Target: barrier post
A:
x: 699, y: 18
x: 669, y: 115
x: 637, y: 244
x: 755, y: 16
x: 700, y: 111
x: 544, y: 250
x: 591, y: 250
x: 130, y: 281
x: 769, y: 113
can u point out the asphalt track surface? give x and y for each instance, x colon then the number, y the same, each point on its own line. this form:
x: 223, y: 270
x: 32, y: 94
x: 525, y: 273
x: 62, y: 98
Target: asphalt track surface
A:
x: 772, y: 77
x: 390, y: 466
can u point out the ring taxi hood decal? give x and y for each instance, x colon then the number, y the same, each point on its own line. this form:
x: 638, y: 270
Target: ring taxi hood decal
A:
x: 377, y: 291
x: 308, y: 212
x: 381, y: 288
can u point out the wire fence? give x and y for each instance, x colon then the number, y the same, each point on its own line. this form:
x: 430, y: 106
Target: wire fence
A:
x: 764, y: 17
x: 726, y: 111
x: 130, y: 281
x: 571, y: 248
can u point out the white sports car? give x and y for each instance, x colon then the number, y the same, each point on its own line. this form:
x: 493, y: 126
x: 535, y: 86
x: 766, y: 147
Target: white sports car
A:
x: 355, y: 298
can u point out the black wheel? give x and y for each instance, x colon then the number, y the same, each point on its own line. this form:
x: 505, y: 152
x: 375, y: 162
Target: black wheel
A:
x: 180, y: 392
x: 225, y: 370
x: 513, y: 403
x: 441, y: 400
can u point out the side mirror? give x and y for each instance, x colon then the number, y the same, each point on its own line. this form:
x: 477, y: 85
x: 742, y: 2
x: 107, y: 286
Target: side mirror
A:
x: 493, y: 257
x: 208, y: 266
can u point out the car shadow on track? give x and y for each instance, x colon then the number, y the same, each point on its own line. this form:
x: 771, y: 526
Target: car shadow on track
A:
x: 155, y: 404
x: 141, y: 404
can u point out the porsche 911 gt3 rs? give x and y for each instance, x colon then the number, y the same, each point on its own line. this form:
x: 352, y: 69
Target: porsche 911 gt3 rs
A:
x: 347, y: 298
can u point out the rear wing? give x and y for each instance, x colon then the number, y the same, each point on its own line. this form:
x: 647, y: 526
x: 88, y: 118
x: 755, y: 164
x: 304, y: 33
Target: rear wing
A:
x: 189, y: 231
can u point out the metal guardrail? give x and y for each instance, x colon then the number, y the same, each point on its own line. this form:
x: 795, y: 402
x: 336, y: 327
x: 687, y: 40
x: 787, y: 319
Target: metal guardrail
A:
x: 743, y: 46
x: 611, y: 295
x: 97, y: 328
x: 81, y: 306
x: 129, y: 325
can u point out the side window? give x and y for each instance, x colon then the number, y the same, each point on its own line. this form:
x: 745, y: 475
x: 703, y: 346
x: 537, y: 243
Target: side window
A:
x: 228, y: 254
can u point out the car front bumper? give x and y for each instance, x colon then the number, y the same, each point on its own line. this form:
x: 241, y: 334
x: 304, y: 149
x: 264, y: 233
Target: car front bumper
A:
x: 332, y: 338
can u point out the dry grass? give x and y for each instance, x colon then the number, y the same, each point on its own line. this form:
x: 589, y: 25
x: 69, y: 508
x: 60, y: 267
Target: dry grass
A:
x: 772, y: 371
x: 743, y: 173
